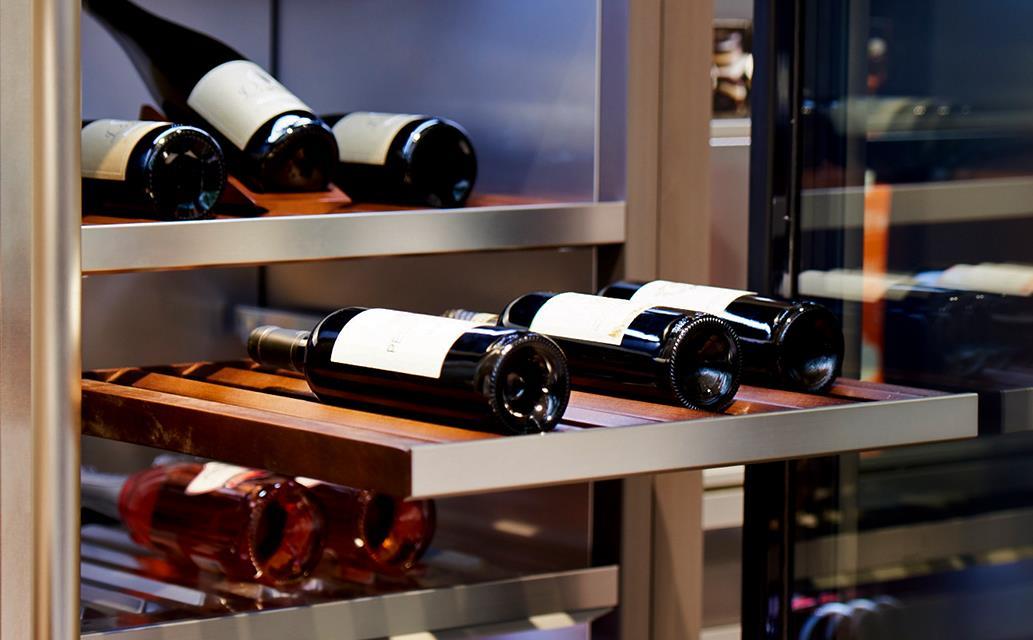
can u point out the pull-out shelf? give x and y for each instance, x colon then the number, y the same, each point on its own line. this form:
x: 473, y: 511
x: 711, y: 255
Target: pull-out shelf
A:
x: 236, y: 413
x: 128, y: 593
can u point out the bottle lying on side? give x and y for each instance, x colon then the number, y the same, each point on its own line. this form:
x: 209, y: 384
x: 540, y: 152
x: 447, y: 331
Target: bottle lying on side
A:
x: 405, y: 159
x: 794, y: 345
x: 247, y: 524
x: 460, y: 372
x: 272, y: 140
x: 150, y: 169
x: 688, y: 358
x: 372, y: 531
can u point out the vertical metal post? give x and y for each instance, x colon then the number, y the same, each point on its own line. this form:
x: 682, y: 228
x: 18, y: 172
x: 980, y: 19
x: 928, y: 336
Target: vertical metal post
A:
x: 39, y: 319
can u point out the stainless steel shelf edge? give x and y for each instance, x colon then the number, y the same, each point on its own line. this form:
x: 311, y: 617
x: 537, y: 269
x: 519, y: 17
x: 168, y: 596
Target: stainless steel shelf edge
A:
x: 402, y: 613
x: 592, y: 454
x: 112, y: 248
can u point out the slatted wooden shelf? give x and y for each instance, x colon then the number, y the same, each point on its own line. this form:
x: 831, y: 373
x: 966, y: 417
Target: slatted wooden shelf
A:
x: 238, y: 413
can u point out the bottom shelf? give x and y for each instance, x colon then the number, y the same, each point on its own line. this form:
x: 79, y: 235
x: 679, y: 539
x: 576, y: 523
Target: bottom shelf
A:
x: 129, y: 594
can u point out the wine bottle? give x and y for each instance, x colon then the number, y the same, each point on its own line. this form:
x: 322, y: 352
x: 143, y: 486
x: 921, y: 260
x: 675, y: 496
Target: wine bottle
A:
x: 796, y: 345
x: 150, y: 169
x: 482, y: 376
x: 689, y: 358
x: 372, y: 531
x: 407, y: 159
x: 244, y: 523
x: 272, y: 140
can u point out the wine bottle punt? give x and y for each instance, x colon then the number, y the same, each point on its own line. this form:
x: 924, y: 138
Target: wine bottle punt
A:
x: 244, y: 523
x: 372, y: 531
x: 475, y: 375
x: 150, y: 169
x: 616, y: 346
x: 272, y: 140
x: 405, y: 159
x: 794, y: 345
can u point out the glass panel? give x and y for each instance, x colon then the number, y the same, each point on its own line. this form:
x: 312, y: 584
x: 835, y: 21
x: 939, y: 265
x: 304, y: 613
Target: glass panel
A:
x: 915, y: 213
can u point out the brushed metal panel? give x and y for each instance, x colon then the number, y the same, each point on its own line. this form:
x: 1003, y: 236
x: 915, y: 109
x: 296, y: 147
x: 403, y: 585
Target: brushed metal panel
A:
x: 520, y: 75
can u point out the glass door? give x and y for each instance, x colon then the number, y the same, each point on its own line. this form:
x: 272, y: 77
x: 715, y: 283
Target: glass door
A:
x: 892, y: 180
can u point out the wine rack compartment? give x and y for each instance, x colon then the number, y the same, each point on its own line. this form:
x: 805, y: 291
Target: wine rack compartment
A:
x: 238, y: 413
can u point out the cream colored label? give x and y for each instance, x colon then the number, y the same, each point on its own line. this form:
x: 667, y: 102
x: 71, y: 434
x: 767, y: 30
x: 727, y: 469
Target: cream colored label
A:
x: 238, y: 97
x: 397, y: 341
x: 583, y: 317
x: 308, y: 483
x: 107, y: 144
x: 677, y: 295
x: 365, y: 137
x: 988, y: 277
x: 216, y: 475
x: 854, y: 286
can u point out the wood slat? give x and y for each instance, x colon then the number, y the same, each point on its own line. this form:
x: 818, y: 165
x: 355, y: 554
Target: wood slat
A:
x: 874, y: 391
x: 252, y: 437
x: 763, y: 397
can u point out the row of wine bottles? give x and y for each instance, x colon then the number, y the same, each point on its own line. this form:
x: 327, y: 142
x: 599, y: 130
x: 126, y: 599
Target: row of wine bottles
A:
x: 965, y: 327
x: 512, y: 372
x: 253, y: 525
x: 237, y: 118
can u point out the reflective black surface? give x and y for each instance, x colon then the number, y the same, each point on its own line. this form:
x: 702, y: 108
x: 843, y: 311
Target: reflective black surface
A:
x: 681, y: 357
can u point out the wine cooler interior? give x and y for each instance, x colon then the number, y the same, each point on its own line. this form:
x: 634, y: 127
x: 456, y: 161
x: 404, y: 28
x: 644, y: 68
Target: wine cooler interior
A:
x: 902, y: 208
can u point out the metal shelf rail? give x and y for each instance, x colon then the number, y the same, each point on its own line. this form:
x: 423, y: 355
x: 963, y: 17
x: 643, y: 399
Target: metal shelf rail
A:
x: 152, y: 246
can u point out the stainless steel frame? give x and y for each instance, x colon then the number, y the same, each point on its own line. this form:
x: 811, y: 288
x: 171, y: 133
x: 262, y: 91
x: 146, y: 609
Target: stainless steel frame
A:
x: 39, y: 318
x: 533, y: 597
x: 595, y: 454
x: 179, y: 245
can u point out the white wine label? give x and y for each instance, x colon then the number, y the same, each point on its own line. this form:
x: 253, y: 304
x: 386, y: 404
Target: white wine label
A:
x: 107, y: 144
x: 216, y: 475
x: 677, y: 295
x: 989, y: 278
x: 397, y: 341
x: 308, y: 483
x: 238, y: 97
x: 854, y: 286
x: 583, y: 317
x: 365, y: 137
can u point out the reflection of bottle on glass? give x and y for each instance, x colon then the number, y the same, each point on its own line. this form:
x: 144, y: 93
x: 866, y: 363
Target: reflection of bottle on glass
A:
x: 244, y: 523
x: 373, y: 531
x: 732, y: 69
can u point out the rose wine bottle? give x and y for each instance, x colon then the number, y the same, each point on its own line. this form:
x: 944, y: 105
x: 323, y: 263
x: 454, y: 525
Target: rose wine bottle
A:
x: 150, y: 169
x: 478, y: 375
x: 616, y: 346
x: 795, y: 345
x: 272, y: 140
x: 401, y: 158
x: 247, y: 524
x: 373, y: 531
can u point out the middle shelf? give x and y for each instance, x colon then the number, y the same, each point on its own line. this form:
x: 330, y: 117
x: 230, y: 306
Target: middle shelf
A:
x: 492, y: 223
x: 243, y: 415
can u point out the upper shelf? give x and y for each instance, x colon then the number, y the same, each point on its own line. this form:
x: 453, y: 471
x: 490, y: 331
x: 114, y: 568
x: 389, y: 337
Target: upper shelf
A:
x: 111, y: 245
x: 236, y: 413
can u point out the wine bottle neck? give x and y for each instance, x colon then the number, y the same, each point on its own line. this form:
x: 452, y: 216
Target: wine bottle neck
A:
x: 276, y: 347
x: 101, y: 491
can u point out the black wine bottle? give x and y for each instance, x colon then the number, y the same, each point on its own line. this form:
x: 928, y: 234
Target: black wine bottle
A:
x: 689, y: 358
x: 150, y: 169
x: 402, y: 158
x: 795, y: 345
x: 475, y: 375
x: 272, y: 140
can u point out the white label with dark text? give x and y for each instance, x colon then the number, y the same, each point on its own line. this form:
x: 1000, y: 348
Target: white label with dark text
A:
x: 107, y: 145
x: 238, y: 97
x: 364, y: 137
x: 677, y: 295
x: 583, y: 317
x: 398, y: 341
x: 216, y: 475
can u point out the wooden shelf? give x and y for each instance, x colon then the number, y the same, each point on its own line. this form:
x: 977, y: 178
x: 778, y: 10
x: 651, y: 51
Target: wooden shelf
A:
x: 239, y: 414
